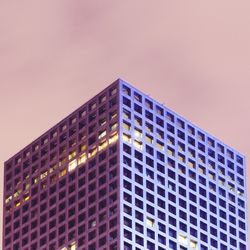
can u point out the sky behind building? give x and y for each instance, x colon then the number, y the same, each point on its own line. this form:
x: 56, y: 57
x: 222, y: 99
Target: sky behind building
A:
x: 192, y: 56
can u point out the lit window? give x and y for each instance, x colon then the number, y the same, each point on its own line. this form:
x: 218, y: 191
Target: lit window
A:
x: 191, y: 163
x: 82, y: 158
x: 72, y: 155
x: 72, y: 246
x: 26, y: 197
x: 103, y: 145
x: 149, y: 139
x: 138, y: 144
x: 113, y: 126
x: 150, y: 222
x: 17, y: 193
x: 126, y: 125
x: 17, y: 203
x: 62, y: 172
x: 8, y: 199
x: 211, y: 176
x: 43, y: 175
x: 193, y: 244
x: 102, y: 134
x: 182, y: 239
x: 160, y: 145
x: 92, y: 152
x: 170, y: 151
x: 126, y: 138
x: 138, y: 133
x: 113, y: 138
x: 72, y: 165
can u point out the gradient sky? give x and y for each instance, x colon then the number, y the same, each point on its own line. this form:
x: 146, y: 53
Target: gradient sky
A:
x: 193, y: 56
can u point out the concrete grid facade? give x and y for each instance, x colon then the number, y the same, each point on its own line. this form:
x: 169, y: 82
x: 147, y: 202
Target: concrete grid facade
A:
x: 125, y: 172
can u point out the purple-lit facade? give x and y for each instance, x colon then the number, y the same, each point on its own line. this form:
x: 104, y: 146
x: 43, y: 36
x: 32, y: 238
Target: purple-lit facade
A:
x: 125, y: 172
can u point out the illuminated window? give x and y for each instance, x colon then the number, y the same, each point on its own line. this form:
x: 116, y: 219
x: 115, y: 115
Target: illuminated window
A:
x: 193, y: 244
x: 113, y: 114
x: 211, y: 176
x: 103, y: 145
x: 72, y: 246
x: 82, y: 158
x: 126, y: 137
x: 170, y: 151
x: 43, y: 175
x: 8, y: 199
x: 113, y: 126
x: 62, y: 172
x: 72, y: 165
x: 113, y: 138
x: 182, y: 239
x: 17, y: 203
x: 17, y: 193
x: 92, y: 152
x: 160, y: 145
x: 138, y: 133
x: 150, y: 222
x: 26, y: 197
x: 102, y: 134
x: 126, y: 125
x: 138, y: 144
x: 72, y: 155
x: 149, y: 139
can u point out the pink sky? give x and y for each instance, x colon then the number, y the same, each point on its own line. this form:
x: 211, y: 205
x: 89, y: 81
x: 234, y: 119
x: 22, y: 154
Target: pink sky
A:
x: 193, y: 56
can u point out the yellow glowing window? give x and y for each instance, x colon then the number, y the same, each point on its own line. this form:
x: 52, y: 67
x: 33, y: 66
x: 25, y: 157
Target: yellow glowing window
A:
x: 191, y: 164
x: 52, y: 168
x: 138, y: 133
x: 62, y: 172
x: 170, y: 151
x: 182, y: 239
x: 193, y: 244
x: 181, y: 158
x: 150, y: 222
x: 62, y: 161
x: 102, y: 134
x: 72, y: 155
x: 211, y: 176
x: 43, y: 175
x: 64, y: 248
x: 72, y: 246
x: 26, y: 197
x: 103, y: 145
x: 27, y: 186
x: 113, y: 138
x: 17, y: 203
x: 113, y: 126
x: 35, y: 180
x: 138, y: 144
x: 92, y: 152
x: 72, y: 165
x: 201, y: 170
x: 126, y: 137
x: 126, y: 125
x: 17, y: 193
x: 160, y: 146
x: 83, y: 147
x: 82, y: 158
x: 8, y: 199
x: 201, y: 160
x: 113, y: 115
x: 149, y: 139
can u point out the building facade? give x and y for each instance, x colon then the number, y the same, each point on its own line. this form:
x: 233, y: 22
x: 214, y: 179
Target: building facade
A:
x: 125, y: 172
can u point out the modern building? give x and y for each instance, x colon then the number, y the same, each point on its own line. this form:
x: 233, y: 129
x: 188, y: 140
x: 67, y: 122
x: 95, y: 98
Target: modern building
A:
x: 125, y: 172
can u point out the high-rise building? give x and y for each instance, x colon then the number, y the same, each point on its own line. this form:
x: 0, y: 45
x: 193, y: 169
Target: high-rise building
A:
x: 125, y: 172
